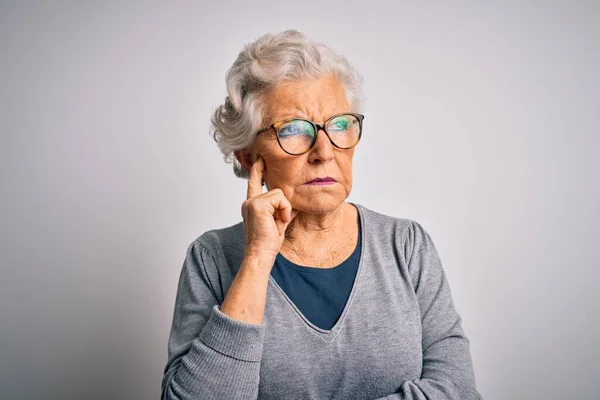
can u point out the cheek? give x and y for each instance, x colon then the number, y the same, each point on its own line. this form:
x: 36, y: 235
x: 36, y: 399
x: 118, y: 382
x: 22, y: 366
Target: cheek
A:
x: 346, y: 168
x: 277, y: 168
x: 273, y: 162
x: 283, y: 172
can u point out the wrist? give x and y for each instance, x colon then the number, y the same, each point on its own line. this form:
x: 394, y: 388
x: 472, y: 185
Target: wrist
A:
x: 259, y: 261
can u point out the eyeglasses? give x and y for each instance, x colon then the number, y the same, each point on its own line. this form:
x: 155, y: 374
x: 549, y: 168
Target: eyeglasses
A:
x: 297, y: 136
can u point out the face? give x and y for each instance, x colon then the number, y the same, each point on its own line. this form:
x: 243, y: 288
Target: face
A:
x: 316, y: 100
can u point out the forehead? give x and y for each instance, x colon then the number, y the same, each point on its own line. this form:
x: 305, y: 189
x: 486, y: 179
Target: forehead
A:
x: 315, y: 99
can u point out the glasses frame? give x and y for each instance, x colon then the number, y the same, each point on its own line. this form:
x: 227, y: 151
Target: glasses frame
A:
x: 317, y: 128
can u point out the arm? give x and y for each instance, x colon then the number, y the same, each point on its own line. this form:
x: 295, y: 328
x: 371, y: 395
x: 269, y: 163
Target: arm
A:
x: 447, y: 372
x: 210, y: 354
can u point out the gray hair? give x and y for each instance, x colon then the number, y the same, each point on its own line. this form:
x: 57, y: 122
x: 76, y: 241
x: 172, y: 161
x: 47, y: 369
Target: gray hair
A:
x: 263, y: 65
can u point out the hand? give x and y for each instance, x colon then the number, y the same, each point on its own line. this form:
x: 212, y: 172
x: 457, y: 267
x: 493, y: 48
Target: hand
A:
x: 266, y: 216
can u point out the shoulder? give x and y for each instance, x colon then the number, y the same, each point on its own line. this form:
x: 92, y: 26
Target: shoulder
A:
x: 384, y: 224
x: 222, y: 249
x: 213, y: 258
x: 406, y: 241
x: 405, y: 233
x: 223, y: 239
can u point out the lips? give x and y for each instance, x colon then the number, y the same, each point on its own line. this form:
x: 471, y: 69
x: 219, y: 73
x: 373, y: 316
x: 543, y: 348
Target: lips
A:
x: 326, y: 179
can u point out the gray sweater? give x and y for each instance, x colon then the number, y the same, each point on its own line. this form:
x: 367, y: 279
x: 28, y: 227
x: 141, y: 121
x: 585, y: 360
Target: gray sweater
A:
x: 399, y: 336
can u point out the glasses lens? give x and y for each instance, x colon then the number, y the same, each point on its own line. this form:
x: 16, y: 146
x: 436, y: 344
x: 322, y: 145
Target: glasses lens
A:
x: 344, y: 130
x: 295, y: 136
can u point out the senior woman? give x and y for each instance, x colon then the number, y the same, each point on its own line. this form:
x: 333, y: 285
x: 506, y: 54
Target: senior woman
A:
x: 310, y: 296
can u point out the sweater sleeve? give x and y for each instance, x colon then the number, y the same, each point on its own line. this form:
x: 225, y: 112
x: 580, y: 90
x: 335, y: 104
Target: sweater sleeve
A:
x: 210, y: 355
x: 447, y: 372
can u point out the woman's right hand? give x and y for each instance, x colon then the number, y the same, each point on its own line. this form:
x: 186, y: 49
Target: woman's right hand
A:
x: 266, y: 216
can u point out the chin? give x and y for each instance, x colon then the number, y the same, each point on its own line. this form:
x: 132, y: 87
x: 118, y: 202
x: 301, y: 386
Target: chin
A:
x: 318, y: 204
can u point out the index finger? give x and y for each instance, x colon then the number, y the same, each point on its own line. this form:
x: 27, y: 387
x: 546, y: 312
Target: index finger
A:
x: 255, y: 180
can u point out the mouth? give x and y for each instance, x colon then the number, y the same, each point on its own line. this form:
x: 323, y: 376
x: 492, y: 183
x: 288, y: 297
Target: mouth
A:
x: 324, y: 180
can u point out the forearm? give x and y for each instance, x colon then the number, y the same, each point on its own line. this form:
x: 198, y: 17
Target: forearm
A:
x: 423, y: 390
x: 223, y: 362
x: 246, y: 298
x: 212, y: 355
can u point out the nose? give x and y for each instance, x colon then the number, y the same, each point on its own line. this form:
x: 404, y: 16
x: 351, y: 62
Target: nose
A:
x: 322, y: 149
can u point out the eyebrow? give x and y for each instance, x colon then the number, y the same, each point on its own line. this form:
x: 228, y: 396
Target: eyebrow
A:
x: 286, y: 117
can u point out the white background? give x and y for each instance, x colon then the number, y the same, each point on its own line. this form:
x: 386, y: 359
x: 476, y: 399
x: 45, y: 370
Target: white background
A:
x: 481, y: 123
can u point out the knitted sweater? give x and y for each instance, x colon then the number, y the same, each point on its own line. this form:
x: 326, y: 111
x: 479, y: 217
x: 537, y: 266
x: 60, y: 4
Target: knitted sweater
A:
x: 399, y: 336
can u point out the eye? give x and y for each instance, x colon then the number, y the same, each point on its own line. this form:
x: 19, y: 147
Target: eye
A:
x: 340, y: 124
x: 297, y: 127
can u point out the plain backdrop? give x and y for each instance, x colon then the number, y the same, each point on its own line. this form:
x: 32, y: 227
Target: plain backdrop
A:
x: 482, y: 123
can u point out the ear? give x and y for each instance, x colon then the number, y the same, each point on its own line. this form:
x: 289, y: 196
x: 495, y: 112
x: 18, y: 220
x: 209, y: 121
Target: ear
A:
x: 244, y: 158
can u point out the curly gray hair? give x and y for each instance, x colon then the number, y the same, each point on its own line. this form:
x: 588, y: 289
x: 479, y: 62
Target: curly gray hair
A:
x: 261, y: 66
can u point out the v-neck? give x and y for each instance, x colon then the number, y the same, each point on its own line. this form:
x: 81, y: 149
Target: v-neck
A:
x: 330, y: 334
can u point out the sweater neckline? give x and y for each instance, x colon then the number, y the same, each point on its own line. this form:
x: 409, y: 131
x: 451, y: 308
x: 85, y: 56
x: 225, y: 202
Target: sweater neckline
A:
x: 330, y: 334
x: 345, y: 264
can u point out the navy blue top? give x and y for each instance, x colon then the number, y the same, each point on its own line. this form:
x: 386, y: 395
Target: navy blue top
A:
x: 319, y: 293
